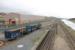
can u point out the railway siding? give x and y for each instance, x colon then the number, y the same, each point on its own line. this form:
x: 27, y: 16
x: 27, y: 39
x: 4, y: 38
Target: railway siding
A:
x: 50, y: 28
x: 40, y: 40
x: 48, y: 41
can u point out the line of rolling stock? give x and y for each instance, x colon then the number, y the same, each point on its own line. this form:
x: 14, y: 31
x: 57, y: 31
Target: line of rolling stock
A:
x: 13, y: 34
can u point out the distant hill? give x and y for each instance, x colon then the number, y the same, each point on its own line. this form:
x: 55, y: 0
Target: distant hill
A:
x: 30, y: 18
x: 72, y: 19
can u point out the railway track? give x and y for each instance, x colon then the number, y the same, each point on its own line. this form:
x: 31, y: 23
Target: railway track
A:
x: 48, y: 41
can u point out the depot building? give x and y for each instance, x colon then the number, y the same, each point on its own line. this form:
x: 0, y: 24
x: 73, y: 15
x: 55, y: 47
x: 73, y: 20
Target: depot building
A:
x: 10, y: 18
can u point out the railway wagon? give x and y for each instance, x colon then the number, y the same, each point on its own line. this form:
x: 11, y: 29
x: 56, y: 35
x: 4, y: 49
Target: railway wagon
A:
x: 19, y: 32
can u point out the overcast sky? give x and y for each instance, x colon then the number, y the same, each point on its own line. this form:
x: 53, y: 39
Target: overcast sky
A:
x: 58, y: 8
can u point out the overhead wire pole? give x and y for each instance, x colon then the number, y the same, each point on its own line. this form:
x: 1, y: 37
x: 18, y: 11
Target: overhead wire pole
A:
x: 21, y: 25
